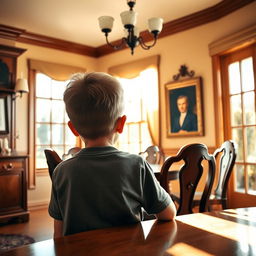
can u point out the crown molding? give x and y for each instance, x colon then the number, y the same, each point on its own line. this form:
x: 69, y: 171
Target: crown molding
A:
x: 59, y: 44
x: 21, y: 35
x: 10, y: 33
x: 193, y: 20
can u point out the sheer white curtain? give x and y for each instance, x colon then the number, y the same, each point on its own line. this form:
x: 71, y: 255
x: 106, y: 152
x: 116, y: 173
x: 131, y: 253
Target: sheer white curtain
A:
x: 146, y: 72
x: 141, y: 107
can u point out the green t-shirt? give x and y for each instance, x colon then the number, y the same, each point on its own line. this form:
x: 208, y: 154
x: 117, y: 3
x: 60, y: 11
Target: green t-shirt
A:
x: 102, y: 187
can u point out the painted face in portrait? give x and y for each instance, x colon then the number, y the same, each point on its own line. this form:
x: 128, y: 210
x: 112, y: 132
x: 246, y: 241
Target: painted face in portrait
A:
x: 182, y: 104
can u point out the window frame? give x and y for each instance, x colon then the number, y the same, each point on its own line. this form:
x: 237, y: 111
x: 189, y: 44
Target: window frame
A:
x: 222, y: 114
x: 33, y: 171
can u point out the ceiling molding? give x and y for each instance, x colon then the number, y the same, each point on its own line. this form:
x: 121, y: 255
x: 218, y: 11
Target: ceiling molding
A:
x: 59, y: 44
x: 10, y: 33
x: 21, y: 35
x: 196, y: 19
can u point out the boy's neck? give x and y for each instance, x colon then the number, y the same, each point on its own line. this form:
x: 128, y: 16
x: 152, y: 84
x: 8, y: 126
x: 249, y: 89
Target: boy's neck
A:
x: 99, y: 142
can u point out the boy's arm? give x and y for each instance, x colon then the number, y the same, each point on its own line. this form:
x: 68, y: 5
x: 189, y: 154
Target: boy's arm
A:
x: 58, y: 228
x: 168, y: 213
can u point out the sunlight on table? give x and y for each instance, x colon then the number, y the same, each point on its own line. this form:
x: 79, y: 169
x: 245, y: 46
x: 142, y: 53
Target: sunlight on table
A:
x: 186, y: 250
x: 239, y: 232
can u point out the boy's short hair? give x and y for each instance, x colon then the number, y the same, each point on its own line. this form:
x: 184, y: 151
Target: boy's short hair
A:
x: 94, y: 101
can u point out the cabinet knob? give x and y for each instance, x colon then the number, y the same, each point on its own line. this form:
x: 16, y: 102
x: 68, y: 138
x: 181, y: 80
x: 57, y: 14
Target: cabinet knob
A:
x: 8, y: 167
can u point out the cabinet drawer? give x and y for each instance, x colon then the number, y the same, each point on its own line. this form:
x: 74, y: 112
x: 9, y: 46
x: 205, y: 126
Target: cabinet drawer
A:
x: 8, y: 165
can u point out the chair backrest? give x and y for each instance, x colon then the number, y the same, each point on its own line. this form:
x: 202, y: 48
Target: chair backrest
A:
x: 71, y: 152
x: 225, y: 167
x: 153, y: 155
x: 52, y: 159
x: 189, y: 175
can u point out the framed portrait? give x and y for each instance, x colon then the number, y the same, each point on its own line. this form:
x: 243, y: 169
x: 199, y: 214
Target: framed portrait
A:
x: 4, y: 129
x: 184, y: 108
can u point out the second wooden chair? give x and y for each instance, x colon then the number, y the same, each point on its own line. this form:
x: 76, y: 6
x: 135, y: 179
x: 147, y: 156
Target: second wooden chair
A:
x: 225, y: 156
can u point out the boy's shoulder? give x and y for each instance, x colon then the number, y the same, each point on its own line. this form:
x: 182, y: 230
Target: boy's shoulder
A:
x: 100, y: 153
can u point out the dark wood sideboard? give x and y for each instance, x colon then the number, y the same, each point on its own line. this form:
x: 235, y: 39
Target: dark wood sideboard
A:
x: 13, y: 187
x: 13, y: 165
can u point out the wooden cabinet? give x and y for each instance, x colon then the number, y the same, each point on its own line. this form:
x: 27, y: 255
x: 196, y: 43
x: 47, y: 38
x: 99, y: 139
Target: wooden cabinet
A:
x: 8, y: 67
x: 13, y: 166
x: 13, y: 187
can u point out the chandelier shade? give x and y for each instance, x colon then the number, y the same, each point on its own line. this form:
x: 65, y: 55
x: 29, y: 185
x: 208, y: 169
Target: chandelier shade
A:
x: 155, y: 24
x: 106, y: 22
x: 129, y: 20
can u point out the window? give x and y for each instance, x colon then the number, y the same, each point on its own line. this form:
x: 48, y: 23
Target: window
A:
x: 243, y: 122
x: 240, y: 109
x: 51, y: 130
x: 136, y: 136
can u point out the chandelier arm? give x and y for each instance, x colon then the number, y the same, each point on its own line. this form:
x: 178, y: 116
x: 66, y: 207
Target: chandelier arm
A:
x: 144, y: 46
x: 116, y: 47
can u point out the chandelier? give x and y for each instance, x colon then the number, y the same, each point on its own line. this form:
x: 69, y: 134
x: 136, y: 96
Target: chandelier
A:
x: 129, y: 19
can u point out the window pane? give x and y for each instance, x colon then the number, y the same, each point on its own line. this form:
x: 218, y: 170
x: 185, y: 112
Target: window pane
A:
x: 140, y: 96
x: 237, y: 135
x: 251, y: 144
x: 251, y: 179
x: 57, y: 134
x: 145, y: 136
x: 43, y: 86
x: 249, y: 107
x: 70, y: 138
x: 43, y: 134
x: 234, y: 78
x: 58, y: 88
x: 123, y: 137
x: 134, y: 148
x: 124, y: 147
x: 40, y: 157
x: 57, y: 111
x: 51, y: 119
x: 59, y: 150
x: 66, y: 116
x: 134, y: 130
x: 236, y: 110
x: 247, y: 74
x: 133, y: 112
x: 239, y: 178
x: 43, y: 110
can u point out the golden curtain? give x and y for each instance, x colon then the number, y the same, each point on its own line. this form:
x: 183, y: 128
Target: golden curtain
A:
x: 56, y: 71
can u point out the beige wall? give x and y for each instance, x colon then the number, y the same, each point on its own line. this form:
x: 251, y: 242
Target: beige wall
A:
x: 189, y: 47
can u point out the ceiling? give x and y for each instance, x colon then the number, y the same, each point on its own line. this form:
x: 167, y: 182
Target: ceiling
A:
x: 76, y: 20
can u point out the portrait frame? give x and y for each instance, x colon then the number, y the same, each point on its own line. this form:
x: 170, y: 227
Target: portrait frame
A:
x: 192, y: 90
x: 4, y: 129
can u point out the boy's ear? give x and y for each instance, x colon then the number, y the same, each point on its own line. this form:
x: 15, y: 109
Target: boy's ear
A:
x: 73, y: 129
x: 120, y: 124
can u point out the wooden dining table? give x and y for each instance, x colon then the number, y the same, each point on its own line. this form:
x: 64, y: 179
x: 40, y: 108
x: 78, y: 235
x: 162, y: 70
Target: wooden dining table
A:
x: 173, y: 175
x: 228, y: 232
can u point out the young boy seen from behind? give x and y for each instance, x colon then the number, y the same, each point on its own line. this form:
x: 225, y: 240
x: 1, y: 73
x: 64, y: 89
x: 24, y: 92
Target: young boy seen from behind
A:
x: 101, y: 186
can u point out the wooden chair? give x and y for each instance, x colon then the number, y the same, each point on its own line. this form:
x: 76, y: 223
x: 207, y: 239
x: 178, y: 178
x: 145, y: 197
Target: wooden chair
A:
x: 52, y: 159
x: 153, y: 155
x: 189, y: 175
x: 226, y: 156
x: 71, y: 152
